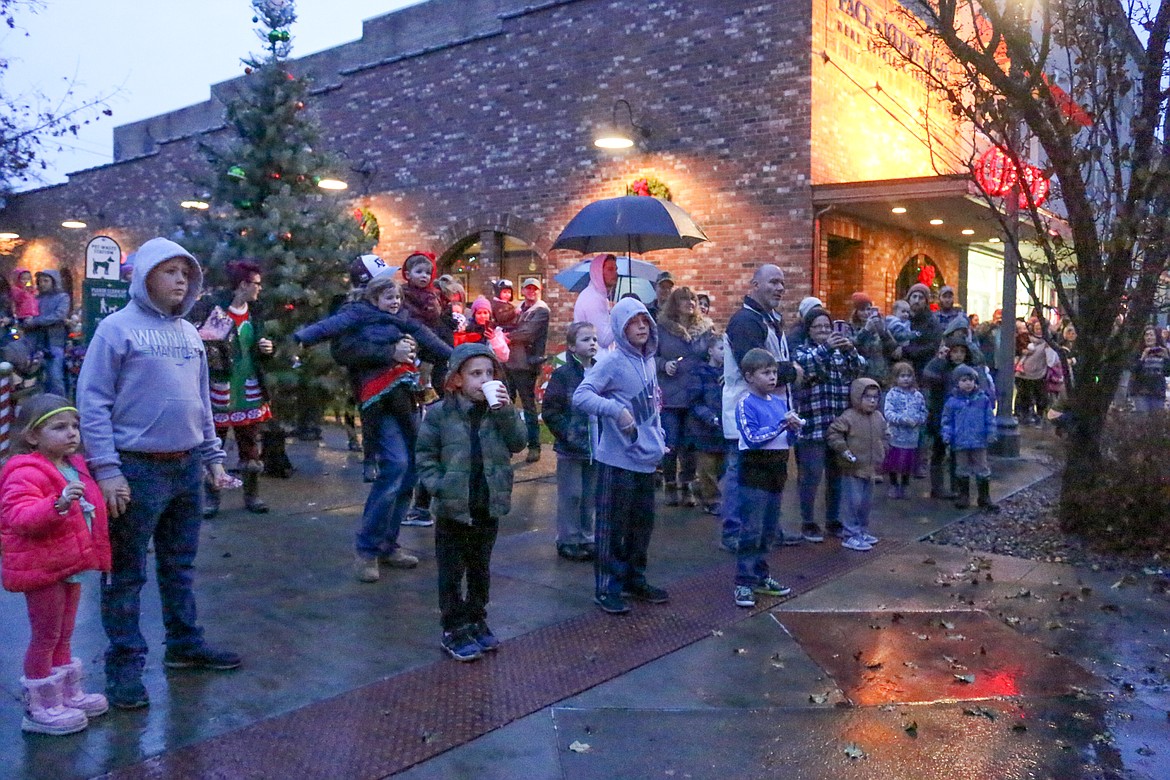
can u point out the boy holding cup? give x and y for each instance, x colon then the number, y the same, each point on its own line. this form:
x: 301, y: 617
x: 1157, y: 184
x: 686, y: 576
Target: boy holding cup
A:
x: 464, y: 458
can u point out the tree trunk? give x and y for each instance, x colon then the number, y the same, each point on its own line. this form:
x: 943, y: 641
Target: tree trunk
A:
x: 1080, y: 507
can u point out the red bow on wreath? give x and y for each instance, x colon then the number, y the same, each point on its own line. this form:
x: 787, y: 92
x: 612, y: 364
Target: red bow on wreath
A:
x: 926, y: 275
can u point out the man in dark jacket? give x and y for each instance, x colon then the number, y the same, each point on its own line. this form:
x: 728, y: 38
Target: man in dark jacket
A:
x: 926, y: 332
x: 527, y: 339
x: 50, y: 328
x: 757, y: 324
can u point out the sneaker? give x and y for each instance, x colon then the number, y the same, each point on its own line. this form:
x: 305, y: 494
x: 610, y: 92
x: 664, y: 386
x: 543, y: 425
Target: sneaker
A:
x: 744, y: 596
x: 399, y: 559
x: 127, y: 694
x: 857, y: 544
x: 419, y: 517
x: 533, y: 455
x: 789, y: 540
x: 712, y: 509
x: 365, y: 569
x: 769, y: 587
x: 870, y: 539
x: 612, y: 603
x: 202, y: 657
x: 460, y: 645
x: 812, y: 533
x: 483, y: 636
x: 644, y: 591
x: 573, y: 552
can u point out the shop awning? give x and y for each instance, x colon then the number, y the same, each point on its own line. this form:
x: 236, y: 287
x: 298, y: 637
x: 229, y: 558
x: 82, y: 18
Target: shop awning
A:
x: 952, y: 199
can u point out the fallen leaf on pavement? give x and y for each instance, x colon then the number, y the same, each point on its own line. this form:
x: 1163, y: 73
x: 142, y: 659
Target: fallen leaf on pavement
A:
x: 854, y: 752
x: 579, y: 747
x: 980, y: 712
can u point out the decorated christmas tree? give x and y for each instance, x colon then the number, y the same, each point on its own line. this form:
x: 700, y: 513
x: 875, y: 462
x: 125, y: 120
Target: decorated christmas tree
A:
x: 266, y: 205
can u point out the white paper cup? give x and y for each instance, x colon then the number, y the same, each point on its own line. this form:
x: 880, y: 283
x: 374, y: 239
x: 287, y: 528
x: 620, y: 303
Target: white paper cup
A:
x: 491, y: 390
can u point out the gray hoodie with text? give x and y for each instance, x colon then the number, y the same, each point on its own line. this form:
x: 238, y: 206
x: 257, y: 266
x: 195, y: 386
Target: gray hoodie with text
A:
x: 625, y: 378
x: 143, y: 385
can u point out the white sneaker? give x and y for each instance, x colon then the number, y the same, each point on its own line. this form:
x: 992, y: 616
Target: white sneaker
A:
x: 856, y: 543
x: 744, y: 596
x: 869, y: 539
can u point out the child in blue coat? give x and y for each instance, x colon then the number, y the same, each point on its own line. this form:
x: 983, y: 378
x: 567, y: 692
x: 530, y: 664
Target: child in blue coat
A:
x: 968, y: 427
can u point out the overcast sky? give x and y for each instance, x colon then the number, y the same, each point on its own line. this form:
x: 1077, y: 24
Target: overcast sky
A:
x: 158, y: 56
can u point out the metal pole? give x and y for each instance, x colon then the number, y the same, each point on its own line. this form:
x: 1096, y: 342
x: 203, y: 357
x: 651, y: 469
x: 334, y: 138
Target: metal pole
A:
x: 1007, y: 426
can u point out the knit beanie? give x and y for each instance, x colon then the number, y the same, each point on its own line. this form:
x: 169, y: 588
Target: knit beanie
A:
x: 920, y: 287
x: 963, y: 370
x: 807, y: 304
x: 946, y: 288
x: 480, y: 303
x: 860, y: 299
x: 812, y: 314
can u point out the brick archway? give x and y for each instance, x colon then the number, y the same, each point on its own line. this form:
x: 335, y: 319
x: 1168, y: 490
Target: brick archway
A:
x: 454, y: 236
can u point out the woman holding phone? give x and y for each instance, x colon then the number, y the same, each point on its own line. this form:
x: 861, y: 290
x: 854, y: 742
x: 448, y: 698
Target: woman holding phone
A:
x: 683, y: 338
x: 830, y: 362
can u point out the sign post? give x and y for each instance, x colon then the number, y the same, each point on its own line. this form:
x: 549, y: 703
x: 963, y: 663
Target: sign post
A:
x: 103, y: 292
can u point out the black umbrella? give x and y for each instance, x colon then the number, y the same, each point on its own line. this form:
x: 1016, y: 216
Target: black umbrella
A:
x: 634, y: 223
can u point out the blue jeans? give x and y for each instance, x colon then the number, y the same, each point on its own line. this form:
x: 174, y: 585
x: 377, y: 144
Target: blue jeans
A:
x: 858, y: 499
x: 55, y: 370
x: 815, y: 460
x: 390, y: 494
x: 759, y: 512
x: 165, y: 503
x: 729, y: 489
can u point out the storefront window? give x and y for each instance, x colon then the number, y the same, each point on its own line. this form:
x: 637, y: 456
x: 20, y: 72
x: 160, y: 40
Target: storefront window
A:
x: 476, y: 266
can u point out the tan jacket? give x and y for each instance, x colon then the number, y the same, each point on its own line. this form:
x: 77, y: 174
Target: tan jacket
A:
x: 862, y: 434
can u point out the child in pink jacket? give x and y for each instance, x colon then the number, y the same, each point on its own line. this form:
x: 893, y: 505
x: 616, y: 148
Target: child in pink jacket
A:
x: 53, y: 526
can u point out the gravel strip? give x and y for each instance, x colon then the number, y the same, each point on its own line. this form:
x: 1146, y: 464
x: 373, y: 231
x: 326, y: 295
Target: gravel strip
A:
x: 1027, y: 527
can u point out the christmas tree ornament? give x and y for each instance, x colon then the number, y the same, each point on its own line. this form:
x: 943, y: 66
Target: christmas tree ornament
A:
x: 300, y: 105
x: 247, y: 71
x: 275, y: 174
x: 286, y: 236
x: 236, y: 172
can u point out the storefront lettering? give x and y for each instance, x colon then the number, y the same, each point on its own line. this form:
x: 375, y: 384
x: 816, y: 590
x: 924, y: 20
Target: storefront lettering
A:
x: 889, y: 42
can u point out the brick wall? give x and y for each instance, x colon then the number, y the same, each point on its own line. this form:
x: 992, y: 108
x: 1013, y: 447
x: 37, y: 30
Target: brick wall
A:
x: 498, y: 130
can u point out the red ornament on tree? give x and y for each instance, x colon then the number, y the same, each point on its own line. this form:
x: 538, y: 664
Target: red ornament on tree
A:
x: 275, y: 174
x: 300, y: 105
x: 995, y: 173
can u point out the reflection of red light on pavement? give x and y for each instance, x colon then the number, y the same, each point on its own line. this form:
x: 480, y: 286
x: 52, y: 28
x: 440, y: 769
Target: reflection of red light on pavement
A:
x: 1003, y: 682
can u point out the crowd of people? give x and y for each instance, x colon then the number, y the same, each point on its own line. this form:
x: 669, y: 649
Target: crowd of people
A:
x: 649, y: 396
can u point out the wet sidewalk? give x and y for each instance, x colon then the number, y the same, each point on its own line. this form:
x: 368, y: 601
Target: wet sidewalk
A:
x: 833, y: 683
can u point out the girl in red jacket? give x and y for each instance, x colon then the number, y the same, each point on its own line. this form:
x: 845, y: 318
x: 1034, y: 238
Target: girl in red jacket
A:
x: 53, y: 525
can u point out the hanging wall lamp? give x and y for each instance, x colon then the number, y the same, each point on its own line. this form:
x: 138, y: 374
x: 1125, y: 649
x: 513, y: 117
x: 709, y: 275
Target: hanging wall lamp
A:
x: 621, y: 135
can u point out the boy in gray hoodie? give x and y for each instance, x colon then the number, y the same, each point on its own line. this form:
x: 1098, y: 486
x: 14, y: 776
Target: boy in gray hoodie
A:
x: 621, y: 392
x: 148, y: 432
